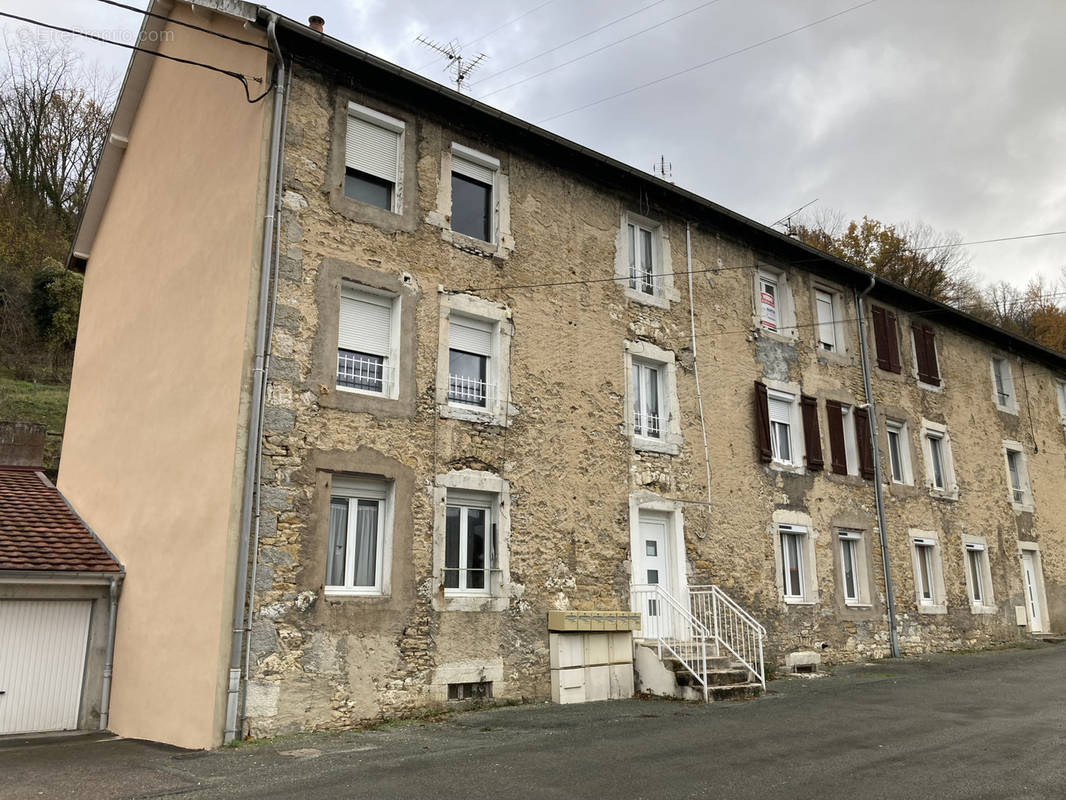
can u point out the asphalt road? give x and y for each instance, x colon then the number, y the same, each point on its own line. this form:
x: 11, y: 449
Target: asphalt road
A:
x: 988, y: 725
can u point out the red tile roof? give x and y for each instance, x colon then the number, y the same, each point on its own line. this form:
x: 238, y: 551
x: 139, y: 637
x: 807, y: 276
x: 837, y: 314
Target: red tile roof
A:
x: 39, y: 531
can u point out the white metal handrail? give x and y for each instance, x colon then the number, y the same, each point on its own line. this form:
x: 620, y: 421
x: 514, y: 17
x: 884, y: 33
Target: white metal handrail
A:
x: 674, y: 629
x: 730, y: 626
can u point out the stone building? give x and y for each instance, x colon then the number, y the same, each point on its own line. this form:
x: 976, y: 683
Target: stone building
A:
x: 502, y: 375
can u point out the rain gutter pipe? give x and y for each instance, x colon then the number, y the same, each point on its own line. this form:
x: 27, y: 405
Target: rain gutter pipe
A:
x: 696, y: 371
x: 879, y: 496
x: 109, y: 657
x: 255, y: 415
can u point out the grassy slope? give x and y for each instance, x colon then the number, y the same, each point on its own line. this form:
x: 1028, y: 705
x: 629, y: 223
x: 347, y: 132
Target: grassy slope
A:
x: 25, y: 401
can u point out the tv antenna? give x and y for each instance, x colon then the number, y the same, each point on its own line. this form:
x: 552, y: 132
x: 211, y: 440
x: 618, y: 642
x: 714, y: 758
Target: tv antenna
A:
x: 663, y: 168
x: 786, y: 220
x: 453, y: 51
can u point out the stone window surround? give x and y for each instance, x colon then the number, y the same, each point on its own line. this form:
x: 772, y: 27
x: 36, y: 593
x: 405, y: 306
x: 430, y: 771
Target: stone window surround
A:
x: 870, y: 607
x: 500, y: 411
x: 842, y: 328
x: 1038, y: 564
x: 475, y: 481
x: 810, y: 577
x: 388, y: 221
x: 671, y: 442
x: 1011, y: 406
x: 939, y: 604
x: 661, y: 255
x: 897, y: 414
x: 397, y: 574
x: 785, y: 304
x: 947, y: 461
x: 441, y: 214
x: 323, y: 378
x: 384, y: 555
x: 1026, y: 503
x: 988, y: 598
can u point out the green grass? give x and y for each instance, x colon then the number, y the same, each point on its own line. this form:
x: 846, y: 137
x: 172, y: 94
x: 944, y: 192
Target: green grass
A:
x: 29, y: 401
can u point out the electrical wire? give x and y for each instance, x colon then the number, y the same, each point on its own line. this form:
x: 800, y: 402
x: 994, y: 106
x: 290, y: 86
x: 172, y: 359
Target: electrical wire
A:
x: 501, y: 26
x: 606, y: 25
x: 237, y: 75
x: 706, y: 63
x: 597, y: 50
x: 987, y: 241
x: 183, y: 24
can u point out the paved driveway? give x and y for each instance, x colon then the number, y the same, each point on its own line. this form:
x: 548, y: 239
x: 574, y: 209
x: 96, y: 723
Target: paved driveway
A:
x: 990, y: 725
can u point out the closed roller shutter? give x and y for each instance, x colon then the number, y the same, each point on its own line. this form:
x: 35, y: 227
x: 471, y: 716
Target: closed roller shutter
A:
x: 470, y: 335
x: 472, y: 170
x: 372, y: 149
x: 365, y: 322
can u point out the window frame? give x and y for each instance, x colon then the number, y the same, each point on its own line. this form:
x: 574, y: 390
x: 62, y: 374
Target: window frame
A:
x: 899, y: 429
x: 645, y: 354
x: 976, y: 560
x: 467, y: 502
x: 358, y: 488
x: 498, y: 409
x: 1020, y: 497
x: 798, y: 526
x: 857, y: 540
x: 477, y: 161
x: 381, y: 120
x: 1003, y: 378
x: 936, y: 431
x: 1060, y: 396
x: 662, y: 264
x: 925, y: 551
x: 440, y: 216
x: 835, y: 323
x: 797, y: 446
x: 784, y: 303
x: 391, y: 359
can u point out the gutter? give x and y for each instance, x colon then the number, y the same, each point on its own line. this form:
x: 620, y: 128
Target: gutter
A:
x: 879, y: 495
x: 255, y: 417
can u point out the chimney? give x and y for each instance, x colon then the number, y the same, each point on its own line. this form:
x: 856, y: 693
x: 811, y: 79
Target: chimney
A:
x: 21, y: 444
x: 316, y: 22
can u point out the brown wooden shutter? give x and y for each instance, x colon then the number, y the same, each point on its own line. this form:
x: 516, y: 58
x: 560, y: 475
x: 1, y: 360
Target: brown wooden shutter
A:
x: 893, y: 342
x: 880, y: 338
x: 762, y: 422
x: 925, y: 355
x: 838, y: 454
x: 862, y: 436
x: 812, y: 437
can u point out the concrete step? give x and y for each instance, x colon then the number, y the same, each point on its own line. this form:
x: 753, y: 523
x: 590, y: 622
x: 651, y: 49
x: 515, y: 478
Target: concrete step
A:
x: 711, y: 662
x: 1050, y: 638
x: 738, y: 691
x: 714, y: 677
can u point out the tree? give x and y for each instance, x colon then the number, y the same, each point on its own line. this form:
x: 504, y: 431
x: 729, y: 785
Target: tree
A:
x: 54, y: 302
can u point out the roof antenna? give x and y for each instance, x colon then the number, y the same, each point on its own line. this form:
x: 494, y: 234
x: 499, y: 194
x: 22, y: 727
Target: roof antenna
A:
x: 453, y: 51
x: 663, y: 168
x: 786, y: 221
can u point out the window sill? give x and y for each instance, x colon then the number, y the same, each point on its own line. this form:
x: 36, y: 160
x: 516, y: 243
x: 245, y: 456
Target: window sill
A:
x: 857, y: 605
x: 471, y: 602
x: 786, y: 335
x: 470, y: 244
x: 933, y: 608
x: 951, y: 495
x: 797, y: 601
x: 365, y: 393
x: 836, y: 357
x: 661, y: 300
x: 1012, y: 410
x: 656, y: 446
x: 474, y: 414
x: 980, y: 608
x: 347, y: 594
x: 1023, y: 508
x: 781, y: 466
x: 930, y: 387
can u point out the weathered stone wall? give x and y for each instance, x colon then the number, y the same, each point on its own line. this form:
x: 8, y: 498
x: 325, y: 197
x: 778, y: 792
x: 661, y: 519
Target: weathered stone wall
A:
x: 323, y: 662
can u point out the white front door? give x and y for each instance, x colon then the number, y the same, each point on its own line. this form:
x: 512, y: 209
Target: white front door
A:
x: 653, y: 568
x: 1032, y: 596
x: 42, y: 660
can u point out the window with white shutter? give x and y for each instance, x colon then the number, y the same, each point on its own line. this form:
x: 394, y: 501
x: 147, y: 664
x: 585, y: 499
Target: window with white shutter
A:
x: 470, y: 373
x: 473, y: 211
x: 365, y: 342
x: 781, y: 411
x: 827, y: 334
x: 373, y: 158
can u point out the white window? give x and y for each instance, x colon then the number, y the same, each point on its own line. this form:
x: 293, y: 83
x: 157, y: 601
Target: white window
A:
x: 373, y: 158
x: 828, y: 328
x: 474, y: 211
x: 642, y: 264
x: 939, y: 465
x: 928, y: 574
x: 473, y: 359
x: 1060, y: 394
x: 851, y: 443
x: 785, y: 437
x: 367, y: 341
x: 1020, y: 494
x: 471, y: 530
x: 793, y: 561
x: 773, y: 302
x: 360, y: 523
x: 853, y: 570
x: 978, y: 574
x: 642, y: 267
x: 1003, y: 385
x: 652, y: 413
x: 899, y: 452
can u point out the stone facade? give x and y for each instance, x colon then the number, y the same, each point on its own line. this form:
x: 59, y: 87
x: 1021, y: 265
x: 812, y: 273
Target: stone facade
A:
x: 563, y: 447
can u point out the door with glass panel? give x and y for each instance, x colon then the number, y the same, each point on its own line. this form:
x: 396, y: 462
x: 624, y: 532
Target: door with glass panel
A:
x: 1032, y: 594
x: 469, y: 546
x: 653, y: 568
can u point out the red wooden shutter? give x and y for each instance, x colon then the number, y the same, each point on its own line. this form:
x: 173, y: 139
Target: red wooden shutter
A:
x: 862, y: 436
x: 838, y: 455
x: 925, y: 354
x: 893, y: 342
x: 762, y: 422
x: 812, y: 437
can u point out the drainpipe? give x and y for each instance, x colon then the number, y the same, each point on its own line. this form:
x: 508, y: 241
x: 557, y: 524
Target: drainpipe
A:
x: 879, y: 497
x: 696, y: 370
x: 109, y: 658
x: 255, y: 416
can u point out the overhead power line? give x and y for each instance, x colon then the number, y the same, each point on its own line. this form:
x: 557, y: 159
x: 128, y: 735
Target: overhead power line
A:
x: 988, y: 241
x: 499, y: 27
x: 243, y: 79
x: 184, y: 24
x: 599, y: 49
x: 703, y: 64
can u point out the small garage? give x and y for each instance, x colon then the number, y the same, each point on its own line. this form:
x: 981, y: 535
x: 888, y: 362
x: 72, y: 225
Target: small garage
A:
x: 58, y: 594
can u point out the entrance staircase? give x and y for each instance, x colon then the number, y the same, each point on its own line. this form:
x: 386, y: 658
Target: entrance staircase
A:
x: 707, y: 647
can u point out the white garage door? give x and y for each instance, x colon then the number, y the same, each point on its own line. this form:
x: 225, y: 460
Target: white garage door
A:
x: 42, y: 660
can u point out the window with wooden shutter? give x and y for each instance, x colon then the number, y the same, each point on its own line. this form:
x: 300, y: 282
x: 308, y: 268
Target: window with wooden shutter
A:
x: 925, y: 355
x: 373, y: 157
x: 762, y: 423
x: 812, y: 438
x: 862, y: 436
x: 885, y: 340
x: 837, y: 450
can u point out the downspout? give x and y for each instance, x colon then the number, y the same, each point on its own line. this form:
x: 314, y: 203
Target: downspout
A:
x: 696, y: 371
x: 109, y: 657
x: 879, y: 497
x: 255, y: 416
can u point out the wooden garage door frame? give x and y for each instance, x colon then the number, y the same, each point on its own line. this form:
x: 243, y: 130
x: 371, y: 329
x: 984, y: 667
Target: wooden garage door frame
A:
x: 43, y: 649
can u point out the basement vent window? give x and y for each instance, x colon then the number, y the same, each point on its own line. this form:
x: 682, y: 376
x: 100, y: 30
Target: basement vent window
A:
x: 481, y: 690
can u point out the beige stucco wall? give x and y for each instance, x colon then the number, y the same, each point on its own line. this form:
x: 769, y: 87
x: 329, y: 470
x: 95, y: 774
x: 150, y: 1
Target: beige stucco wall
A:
x: 153, y: 443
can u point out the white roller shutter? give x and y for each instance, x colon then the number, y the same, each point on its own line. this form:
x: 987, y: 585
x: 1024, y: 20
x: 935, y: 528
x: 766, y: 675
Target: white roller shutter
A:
x: 373, y: 145
x: 780, y: 410
x: 470, y: 335
x: 473, y: 164
x: 365, y: 322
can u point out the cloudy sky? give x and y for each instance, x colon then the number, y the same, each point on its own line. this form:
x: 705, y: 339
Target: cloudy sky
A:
x: 951, y: 112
